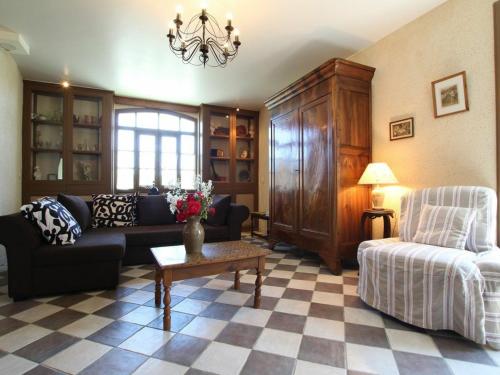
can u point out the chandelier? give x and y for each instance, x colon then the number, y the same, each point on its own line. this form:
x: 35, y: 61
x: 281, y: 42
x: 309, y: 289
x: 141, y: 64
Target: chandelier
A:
x: 203, y: 41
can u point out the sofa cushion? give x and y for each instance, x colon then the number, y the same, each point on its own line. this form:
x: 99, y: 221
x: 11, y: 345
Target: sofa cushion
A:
x: 92, y: 247
x: 444, y: 226
x: 57, y: 225
x: 150, y: 235
x: 154, y: 210
x: 78, y: 208
x: 222, y: 204
x: 110, y: 210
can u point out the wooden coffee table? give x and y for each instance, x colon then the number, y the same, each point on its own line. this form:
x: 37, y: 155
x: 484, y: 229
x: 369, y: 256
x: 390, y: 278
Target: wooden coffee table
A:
x: 173, y: 264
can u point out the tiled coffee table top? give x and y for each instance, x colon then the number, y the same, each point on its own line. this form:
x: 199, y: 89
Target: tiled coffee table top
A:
x: 311, y: 322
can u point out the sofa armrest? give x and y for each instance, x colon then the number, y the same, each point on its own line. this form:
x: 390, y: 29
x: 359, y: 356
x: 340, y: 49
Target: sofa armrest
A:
x: 20, y: 237
x: 488, y: 263
x: 238, y: 213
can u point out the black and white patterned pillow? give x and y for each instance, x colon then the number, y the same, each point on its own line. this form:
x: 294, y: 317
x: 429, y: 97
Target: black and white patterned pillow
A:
x: 58, y: 226
x: 109, y: 210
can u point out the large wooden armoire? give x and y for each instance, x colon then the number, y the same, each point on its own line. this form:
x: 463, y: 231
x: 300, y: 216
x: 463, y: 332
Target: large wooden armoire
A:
x: 320, y: 144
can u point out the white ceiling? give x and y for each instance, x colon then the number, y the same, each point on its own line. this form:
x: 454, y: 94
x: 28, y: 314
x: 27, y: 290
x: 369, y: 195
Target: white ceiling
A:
x: 120, y: 45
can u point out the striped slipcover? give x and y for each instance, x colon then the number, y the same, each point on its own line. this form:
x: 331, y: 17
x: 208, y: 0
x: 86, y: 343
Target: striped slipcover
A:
x: 436, y: 287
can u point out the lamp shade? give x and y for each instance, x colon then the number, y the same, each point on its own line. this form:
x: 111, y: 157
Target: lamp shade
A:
x: 377, y: 173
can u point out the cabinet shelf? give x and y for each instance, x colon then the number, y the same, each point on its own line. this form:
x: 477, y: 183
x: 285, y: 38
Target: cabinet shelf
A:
x: 47, y: 122
x: 245, y: 159
x: 219, y: 136
x: 81, y: 152
x: 54, y: 150
x: 87, y: 126
x: 219, y: 158
x: 243, y: 138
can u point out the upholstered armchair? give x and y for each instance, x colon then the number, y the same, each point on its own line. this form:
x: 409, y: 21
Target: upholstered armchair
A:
x: 434, y: 285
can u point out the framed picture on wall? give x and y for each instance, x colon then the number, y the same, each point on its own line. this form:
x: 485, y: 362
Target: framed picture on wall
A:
x: 449, y: 95
x: 401, y: 129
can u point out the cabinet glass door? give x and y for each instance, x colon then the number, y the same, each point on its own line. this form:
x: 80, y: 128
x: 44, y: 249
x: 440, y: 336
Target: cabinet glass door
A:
x: 87, y: 144
x: 47, y: 136
x: 220, y: 147
x: 245, y: 149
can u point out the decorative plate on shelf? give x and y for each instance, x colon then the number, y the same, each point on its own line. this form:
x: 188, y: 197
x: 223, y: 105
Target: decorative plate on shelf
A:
x: 244, y: 176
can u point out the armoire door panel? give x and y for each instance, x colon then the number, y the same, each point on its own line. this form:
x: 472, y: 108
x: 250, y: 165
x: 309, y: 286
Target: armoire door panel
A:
x: 317, y: 147
x: 285, y: 170
x: 354, y: 118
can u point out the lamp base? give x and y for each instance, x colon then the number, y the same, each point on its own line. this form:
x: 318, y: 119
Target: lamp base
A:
x: 378, y: 196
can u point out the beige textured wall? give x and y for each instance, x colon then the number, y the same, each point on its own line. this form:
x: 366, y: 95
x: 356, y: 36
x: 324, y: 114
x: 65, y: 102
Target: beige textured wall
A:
x: 11, y: 99
x: 456, y: 149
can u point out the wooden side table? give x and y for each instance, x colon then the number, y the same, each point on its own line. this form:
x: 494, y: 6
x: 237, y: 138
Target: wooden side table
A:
x: 254, y: 223
x: 373, y: 214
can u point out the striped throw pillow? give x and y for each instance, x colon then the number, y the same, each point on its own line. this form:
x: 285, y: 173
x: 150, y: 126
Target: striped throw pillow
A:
x: 444, y: 226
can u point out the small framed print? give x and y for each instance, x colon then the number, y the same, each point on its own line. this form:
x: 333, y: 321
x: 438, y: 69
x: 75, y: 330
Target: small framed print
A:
x: 401, y: 129
x: 449, y: 95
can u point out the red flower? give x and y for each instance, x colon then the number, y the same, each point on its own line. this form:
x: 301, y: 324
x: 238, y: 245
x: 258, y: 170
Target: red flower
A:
x: 179, y: 204
x: 190, y: 197
x: 194, y: 208
x: 211, y: 211
x: 181, y: 217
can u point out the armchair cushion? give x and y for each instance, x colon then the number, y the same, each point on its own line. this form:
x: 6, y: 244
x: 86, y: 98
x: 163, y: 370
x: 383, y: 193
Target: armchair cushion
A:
x: 154, y: 210
x: 222, y: 204
x: 78, y: 208
x: 444, y: 226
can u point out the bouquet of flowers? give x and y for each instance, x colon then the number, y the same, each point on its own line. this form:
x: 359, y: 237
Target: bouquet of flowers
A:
x: 185, y: 205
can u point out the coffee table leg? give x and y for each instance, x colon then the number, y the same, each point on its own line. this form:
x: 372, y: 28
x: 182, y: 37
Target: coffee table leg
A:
x: 167, y: 283
x: 237, y: 280
x: 258, y: 283
x: 158, y: 287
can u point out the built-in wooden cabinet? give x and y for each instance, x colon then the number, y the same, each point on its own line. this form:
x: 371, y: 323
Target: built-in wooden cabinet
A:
x: 66, y: 140
x: 320, y: 143
x: 230, y: 152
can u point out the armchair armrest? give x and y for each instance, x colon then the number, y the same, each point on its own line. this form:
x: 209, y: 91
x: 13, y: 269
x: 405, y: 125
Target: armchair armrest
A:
x: 20, y: 237
x: 238, y: 213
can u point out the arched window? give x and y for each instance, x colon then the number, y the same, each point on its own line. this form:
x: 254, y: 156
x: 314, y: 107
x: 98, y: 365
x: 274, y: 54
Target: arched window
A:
x: 154, y: 146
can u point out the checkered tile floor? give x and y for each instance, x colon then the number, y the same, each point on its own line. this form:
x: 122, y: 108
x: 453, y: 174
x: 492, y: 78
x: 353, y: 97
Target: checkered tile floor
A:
x: 311, y: 322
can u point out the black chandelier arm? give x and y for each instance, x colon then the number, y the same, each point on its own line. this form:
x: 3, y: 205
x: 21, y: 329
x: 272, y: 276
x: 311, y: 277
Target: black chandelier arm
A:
x: 216, y: 46
x: 194, y: 48
x: 221, y: 58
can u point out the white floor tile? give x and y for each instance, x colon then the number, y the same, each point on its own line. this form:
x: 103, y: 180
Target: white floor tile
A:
x: 279, y: 342
x: 328, y: 298
x: 281, y: 274
x: 350, y: 290
x: 139, y: 297
x: 147, y: 340
x: 92, y: 304
x: 290, y: 262
x: 363, y: 316
x: 155, y: 366
x: 86, y: 326
x: 191, y: 306
x: 14, y: 365
x: 272, y: 291
x: 136, y: 272
x: 222, y: 359
x: 332, y: 279
x: 183, y: 290
x: 233, y: 298
x: 78, y: 356
x: 219, y: 284
x: 137, y: 283
x: 325, y: 328
x: 251, y: 316
x: 309, y: 368
x: 468, y: 368
x: 292, y: 306
x: 142, y: 315
x: 36, y: 313
x: 308, y: 269
x: 413, y: 342
x: 301, y: 284
x: 204, y: 327
x: 21, y: 337
x: 371, y: 359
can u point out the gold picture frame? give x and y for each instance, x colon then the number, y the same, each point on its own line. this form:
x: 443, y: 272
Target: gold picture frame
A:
x: 449, y: 95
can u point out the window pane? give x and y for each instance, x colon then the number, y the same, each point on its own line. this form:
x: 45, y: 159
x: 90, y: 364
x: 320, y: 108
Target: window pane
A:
x: 126, y: 140
x: 126, y: 119
x: 169, y: 161
x: 187, y: 125
x: 169, y: 144
x: 168, y: 177
x: 187, y: 144
x: 188, y: 162
x: 147, y: 160
x: 146, y: 177
x: 187, y: 179
x: 169, y: 122
x: 147, y: 143
x: 125, y: 159
x: 124, y: 179
x: 147, y: 120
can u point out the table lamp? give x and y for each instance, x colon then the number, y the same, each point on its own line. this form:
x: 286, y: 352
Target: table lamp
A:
x: 377, y: 174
